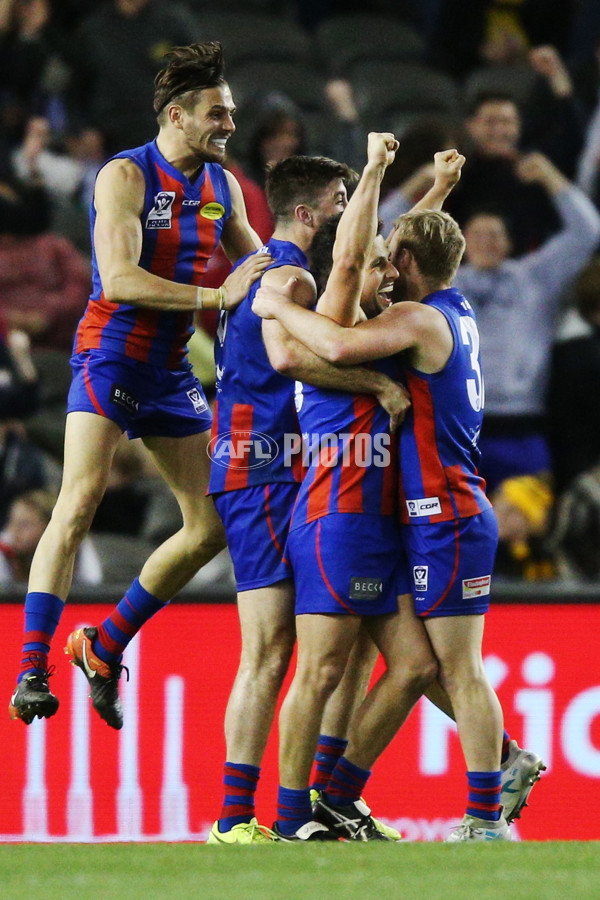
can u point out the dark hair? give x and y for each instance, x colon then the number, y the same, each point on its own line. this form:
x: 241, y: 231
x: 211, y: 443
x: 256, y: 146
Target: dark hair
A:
x: 269, y: 125
x: 489, y: 96
x: 321, y: 249
x: 301, y: 179
x: 320, y: 254
x: 493, y: 210
x: 191, y: 68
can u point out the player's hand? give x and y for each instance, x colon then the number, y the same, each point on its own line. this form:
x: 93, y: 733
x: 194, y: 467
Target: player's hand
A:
x: 267, y: 298
x: 447, y: 166
x: 395, y: 399
x: 381, y: 148
x: 238, y: 283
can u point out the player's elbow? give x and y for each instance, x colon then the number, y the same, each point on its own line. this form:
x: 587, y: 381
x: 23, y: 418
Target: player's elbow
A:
x: 337, y: 352
x: 114, y: 289
x: 349, y: 264
x: 283, y: 359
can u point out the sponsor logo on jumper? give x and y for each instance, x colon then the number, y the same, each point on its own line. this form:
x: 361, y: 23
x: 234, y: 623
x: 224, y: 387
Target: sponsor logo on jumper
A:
x: 121, y: 397
x: 365, y: 588
x: 243, y: 450
x: 197, y: 400
x: 476, y: 587
x: 162, y: 211
x: 424, y: 506
x: 421, y: 577
x: 212, y: 211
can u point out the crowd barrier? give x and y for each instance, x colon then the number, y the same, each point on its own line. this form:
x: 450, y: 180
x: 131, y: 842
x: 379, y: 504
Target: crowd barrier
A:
x: 71, y: 778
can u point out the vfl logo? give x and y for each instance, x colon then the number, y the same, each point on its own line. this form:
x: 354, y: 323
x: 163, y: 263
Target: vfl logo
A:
x: 421, y: 577
x: 162, y: 211
x: 243, y: 450
x: 198, y: 401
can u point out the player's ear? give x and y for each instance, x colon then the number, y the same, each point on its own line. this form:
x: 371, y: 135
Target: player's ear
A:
x: 174, y: 114
x: 304, y: 214
x: 402, y: 258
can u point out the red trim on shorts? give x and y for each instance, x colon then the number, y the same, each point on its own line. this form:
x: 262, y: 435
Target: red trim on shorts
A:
x: 326, y: 581
x: 269, y: 521
x: 90, y: 390
x: 454, y: 571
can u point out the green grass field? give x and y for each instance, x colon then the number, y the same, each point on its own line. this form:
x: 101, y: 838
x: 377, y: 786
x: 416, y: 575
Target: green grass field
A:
x: 524, y: 871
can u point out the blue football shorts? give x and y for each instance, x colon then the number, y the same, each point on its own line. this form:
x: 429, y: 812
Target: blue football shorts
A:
x: 451, y: 564
x: 257, y: 521
x: 143, y: 400
x: 346, y: 563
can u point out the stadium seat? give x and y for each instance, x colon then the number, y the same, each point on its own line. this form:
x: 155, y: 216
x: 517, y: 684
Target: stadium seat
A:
x: 516, y: 81
x: 299, y: 81
x: 231, y: 7
x: 344, y: 40
x: 122, y: 556
x: 251, y: 36
x: 389, y: 95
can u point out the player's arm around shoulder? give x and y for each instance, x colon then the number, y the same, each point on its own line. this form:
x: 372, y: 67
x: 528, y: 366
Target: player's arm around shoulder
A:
x: 285, y: 352
x: 404, y: 326
x: 238, y: 237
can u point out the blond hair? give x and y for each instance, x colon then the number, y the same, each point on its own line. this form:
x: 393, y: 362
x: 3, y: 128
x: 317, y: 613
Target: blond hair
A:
x: 435, y: 240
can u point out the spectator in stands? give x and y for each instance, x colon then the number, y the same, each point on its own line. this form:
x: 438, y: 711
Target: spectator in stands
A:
x: 412, y: 173
x: 18, y: 375
x: 123, y: 508
x: 552, y: 123
x: 117, y: 52
x: 469, y: 34
x: 573, y: 413
x: 278, y: 133
x: 523, y: 506
x: 66, y: 169
x: 516, y: 303
x: 575, y: 536
x: 28, y: 517
x: 44, y: 280
x: 29, y: 41
x: 21, y: 463
x: 25, y: 205
x: 22, y: 466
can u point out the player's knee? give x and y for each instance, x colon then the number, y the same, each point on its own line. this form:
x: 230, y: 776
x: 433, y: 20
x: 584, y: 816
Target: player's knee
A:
x: 417, y: 673
x: 270, y: 658
x: 323, y: 676
x: 207, y: 542
x: 73, y: 516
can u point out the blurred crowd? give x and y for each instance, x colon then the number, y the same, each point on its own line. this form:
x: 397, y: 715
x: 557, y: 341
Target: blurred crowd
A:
x: 514, y: 86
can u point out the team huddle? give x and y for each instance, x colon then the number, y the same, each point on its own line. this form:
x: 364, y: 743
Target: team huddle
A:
x: 344, y: 472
